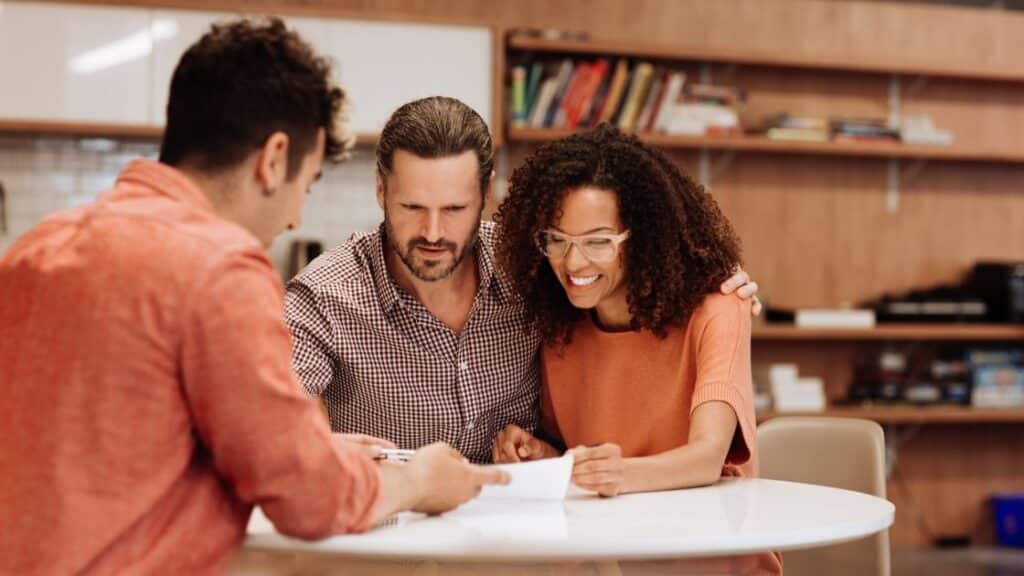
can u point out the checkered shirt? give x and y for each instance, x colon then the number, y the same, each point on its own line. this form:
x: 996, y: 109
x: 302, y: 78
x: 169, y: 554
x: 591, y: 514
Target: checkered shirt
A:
x: 387, y: 367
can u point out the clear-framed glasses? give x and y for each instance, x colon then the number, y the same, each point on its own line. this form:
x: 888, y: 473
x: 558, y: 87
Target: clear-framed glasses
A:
x: 594, y: 247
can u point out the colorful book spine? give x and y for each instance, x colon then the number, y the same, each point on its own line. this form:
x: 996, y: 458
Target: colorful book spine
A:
x: 637, y: 90
x: 668, y: 102
x: 615, y: 91
x: 533, y: 86
x: 519, y: 95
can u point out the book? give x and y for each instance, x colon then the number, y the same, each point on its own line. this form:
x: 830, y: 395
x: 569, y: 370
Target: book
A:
x: 637, y: 90
x: 519, y: 95
x: 565, y: 73
x: 594, y: 107
x: 545, y: 95
x: 711, y: 93
x: 669, y: 101
x: 533, y: 81
x: 835, y: 318
x: 643, y: 121
x: 698, y: 118
x: 798, y: 134
x: 579, y: 73
x: 618, y: 86
x: 785, y: 120
x: 588, y: 91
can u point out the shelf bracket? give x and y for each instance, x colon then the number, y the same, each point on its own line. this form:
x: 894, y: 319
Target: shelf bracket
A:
x: 896, y: 437
x: 704, y: 169
x: 709, y: 168
x: 892, y: 194
x: 897, y: 176
x: 895, y: 100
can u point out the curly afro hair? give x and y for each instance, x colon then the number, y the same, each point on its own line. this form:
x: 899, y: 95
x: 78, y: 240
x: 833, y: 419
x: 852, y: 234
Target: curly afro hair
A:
x: 680, y: 248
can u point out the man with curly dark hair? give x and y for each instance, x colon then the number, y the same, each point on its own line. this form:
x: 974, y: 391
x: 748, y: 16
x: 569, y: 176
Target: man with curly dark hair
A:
x: 645, y: 367
x: 412, y: 332
x: 147, y: 397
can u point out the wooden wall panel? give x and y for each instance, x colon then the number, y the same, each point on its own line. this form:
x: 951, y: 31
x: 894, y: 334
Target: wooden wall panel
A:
x: 814, y: 30
x: 981, y: 114
x: 945, y: 476
x: 817, y: 231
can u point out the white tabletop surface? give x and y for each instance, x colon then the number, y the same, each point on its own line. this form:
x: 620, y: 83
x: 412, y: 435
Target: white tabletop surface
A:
x: 735, y: 516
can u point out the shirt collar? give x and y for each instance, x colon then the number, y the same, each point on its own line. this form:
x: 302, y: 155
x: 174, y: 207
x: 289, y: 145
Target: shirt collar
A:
x: 392, y: 295
x: 166, y: 181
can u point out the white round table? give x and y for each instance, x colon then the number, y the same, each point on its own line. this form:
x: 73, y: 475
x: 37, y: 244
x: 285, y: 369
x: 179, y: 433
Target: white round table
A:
x: 734, y: 516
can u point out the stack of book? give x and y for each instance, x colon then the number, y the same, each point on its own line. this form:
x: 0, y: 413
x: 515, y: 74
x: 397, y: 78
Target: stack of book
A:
x: 793, y: 393
x: 863, y: 130
x: 802, y: 128
x: 707, y: 110
x: 635, y: 96
x: 913, y: 130
x: 919, y: 129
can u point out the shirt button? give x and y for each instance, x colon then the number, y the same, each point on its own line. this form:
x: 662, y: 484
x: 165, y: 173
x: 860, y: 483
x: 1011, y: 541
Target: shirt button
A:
x: 469, y: 427
x: 463, y: 366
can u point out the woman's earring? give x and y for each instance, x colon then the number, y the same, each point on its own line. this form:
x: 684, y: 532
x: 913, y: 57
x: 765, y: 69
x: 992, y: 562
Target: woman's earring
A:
x: 268, y: 192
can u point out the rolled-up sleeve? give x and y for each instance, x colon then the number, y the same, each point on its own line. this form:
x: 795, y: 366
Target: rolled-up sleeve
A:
x: 266, y: 438
x: 311, y: 338
x: 723, y: 368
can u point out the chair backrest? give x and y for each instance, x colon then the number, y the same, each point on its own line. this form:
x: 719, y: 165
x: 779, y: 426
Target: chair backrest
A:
x: 839, y: 452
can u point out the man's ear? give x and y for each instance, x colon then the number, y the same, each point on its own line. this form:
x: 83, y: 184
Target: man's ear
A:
x: 380, y: 190
x: 272, y: 163
x: 489, y: 190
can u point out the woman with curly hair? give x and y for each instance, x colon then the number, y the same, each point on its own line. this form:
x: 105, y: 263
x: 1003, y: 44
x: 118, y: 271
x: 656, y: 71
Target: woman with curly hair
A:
x: 645, y: 367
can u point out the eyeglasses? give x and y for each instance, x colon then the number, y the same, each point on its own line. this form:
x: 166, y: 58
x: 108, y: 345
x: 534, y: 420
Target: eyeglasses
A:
x: 594, y: 247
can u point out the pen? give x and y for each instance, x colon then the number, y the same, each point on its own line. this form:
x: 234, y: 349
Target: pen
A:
x: 395, y: 455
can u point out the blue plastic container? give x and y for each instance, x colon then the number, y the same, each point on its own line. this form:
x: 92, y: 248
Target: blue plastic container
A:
x: 1009, y: 514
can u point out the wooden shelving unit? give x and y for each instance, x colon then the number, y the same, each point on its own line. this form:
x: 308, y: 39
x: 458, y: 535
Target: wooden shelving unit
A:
x: 82, y: 129
x: 914, y: 414
x: 936, y: 332
x: 749, y: 143
x: 845, y: 221
x: 704, y: 54
x: 102, y: 130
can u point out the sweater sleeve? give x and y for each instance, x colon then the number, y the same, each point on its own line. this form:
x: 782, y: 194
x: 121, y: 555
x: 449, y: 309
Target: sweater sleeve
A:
x: 723, y: 367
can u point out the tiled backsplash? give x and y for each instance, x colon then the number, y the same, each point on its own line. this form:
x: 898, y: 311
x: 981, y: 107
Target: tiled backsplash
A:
x: 42, y: 175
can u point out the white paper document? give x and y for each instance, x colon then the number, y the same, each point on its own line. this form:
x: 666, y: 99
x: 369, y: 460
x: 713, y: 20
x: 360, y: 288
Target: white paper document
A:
x: 259, y: 523
x: 546, y: 479
x: 505, y: 518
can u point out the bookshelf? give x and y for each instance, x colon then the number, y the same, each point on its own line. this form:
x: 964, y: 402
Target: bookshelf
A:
x: 919, y: 332
x: 751, y: 143
x: 104, y: 130
x: 913, y: 414
x: 671, y: 58
x: 662, y: 51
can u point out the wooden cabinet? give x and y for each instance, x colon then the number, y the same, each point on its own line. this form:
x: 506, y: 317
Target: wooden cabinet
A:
x: 107, y: 71
x: 75, y: 64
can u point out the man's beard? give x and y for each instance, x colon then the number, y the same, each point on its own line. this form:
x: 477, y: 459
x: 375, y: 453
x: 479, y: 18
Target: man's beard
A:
x: 430, y: 270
